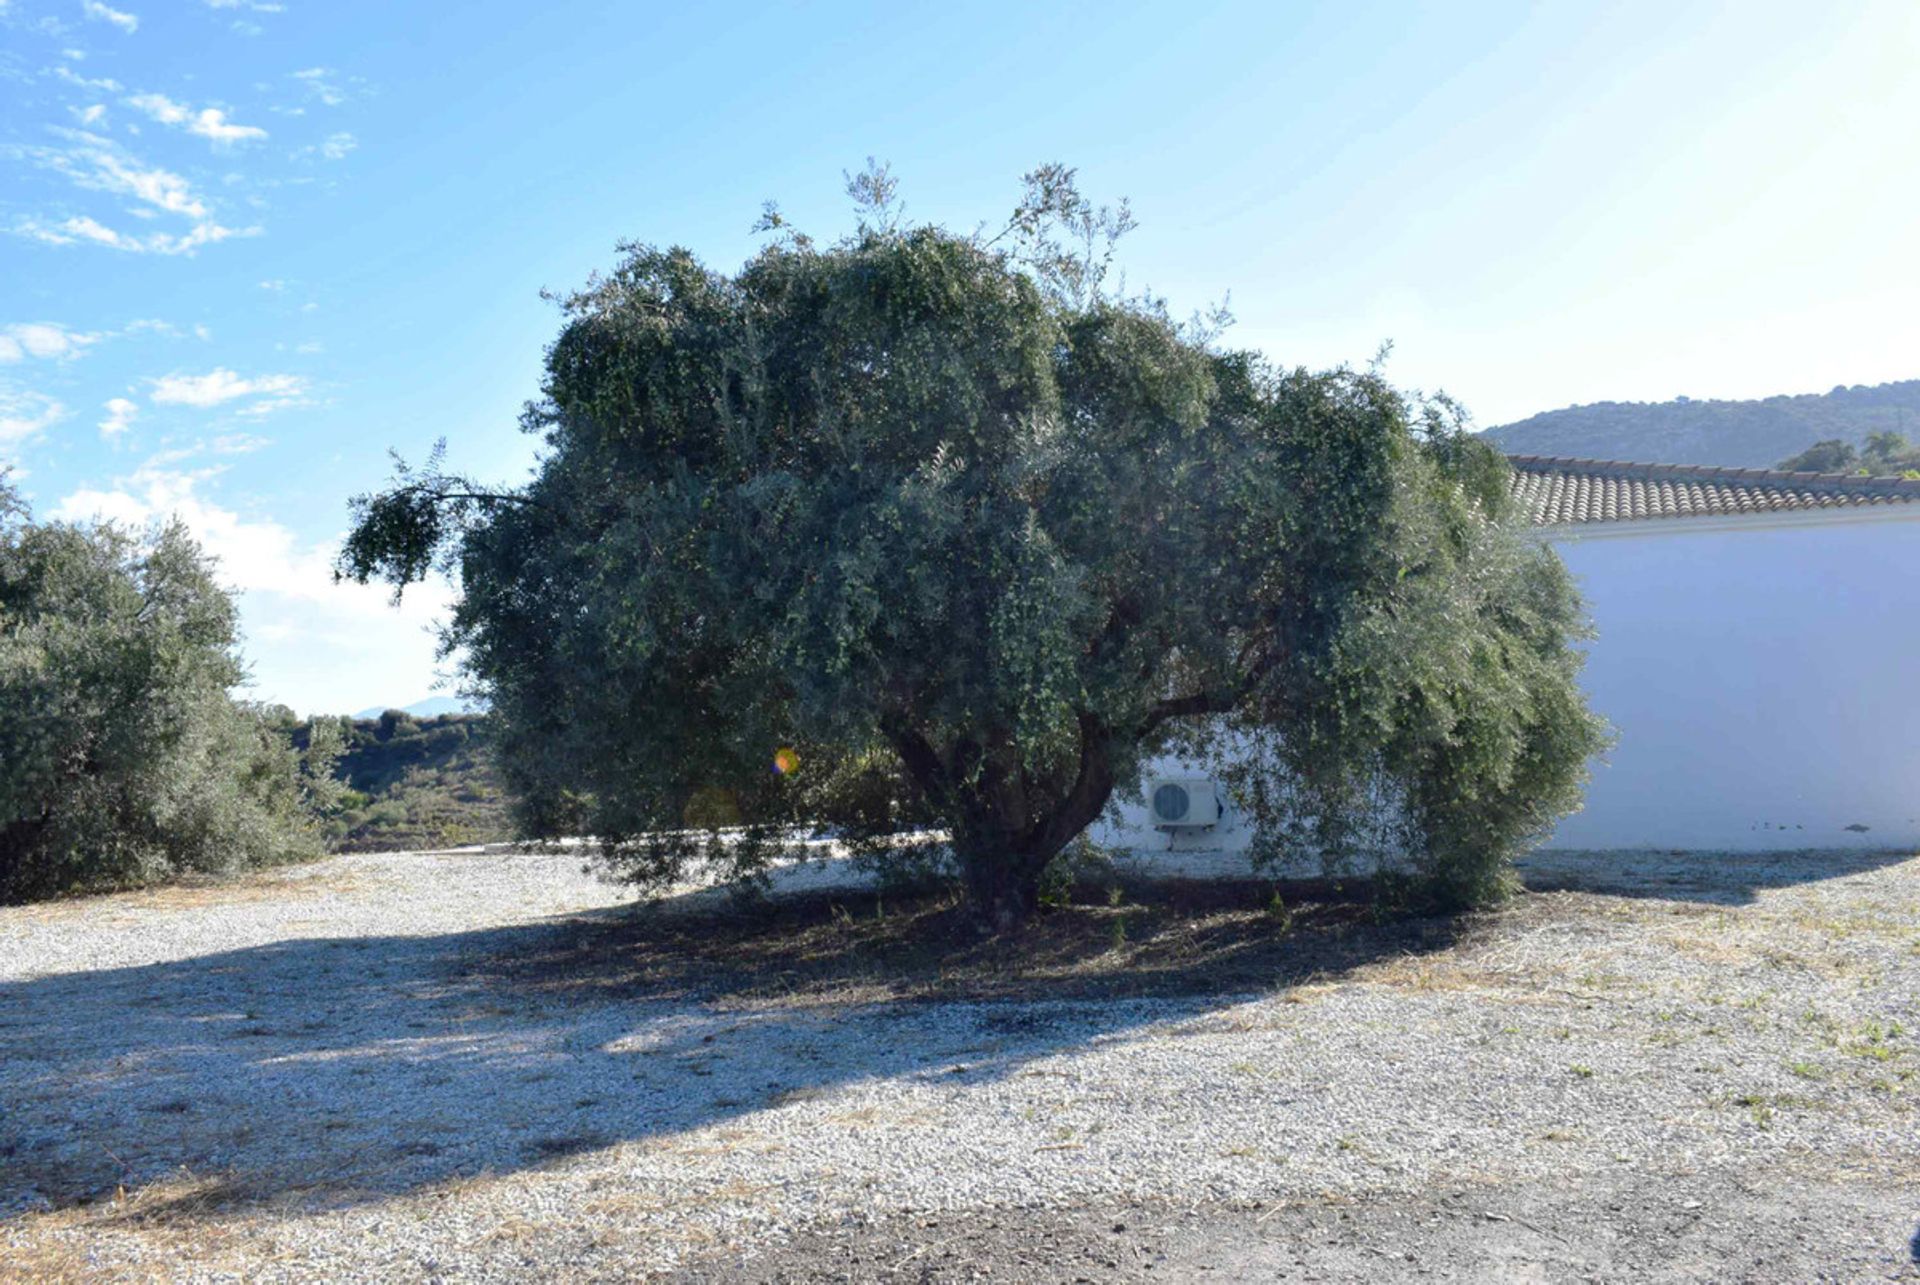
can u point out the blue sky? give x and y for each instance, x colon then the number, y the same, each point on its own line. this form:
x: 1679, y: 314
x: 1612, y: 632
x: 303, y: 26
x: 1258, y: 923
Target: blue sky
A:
x: 248, y: 245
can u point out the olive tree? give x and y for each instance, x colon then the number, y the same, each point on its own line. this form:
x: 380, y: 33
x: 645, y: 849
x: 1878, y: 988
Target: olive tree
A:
x: 942, y: 519
x: 123, y: 758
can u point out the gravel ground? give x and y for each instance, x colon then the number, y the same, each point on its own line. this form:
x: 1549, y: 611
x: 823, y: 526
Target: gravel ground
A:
x: 328, y: 1073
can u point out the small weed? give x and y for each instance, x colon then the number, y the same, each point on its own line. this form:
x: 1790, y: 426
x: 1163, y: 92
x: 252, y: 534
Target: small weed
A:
x: 1807, y: 1070
x: 1279, y: 914
x: 1874, y: 1040
x: 1118, y: 932
x: 1581, y: 1071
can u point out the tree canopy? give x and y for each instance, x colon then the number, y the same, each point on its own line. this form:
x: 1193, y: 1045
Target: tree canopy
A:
x: 123, y: 759
x: 926, y: 528
x: 1884, y: 455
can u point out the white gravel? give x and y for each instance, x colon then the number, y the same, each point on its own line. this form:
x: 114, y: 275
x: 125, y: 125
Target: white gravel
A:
x: 316, y: 1045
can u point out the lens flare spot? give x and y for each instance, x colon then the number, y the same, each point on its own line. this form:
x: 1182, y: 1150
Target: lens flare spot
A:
x: 785, y: 761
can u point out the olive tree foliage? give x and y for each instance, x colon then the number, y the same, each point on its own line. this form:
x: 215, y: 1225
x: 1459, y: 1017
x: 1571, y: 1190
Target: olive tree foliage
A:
x: 123, y: 760
x: 969, y: 533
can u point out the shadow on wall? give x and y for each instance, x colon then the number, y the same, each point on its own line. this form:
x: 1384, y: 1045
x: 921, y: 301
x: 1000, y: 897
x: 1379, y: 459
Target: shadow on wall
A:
x: 1717, y: 878
x: 351, y: 1069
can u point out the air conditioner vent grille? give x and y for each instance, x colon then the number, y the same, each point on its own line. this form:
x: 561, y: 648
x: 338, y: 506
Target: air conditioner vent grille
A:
x: 1171, y: 802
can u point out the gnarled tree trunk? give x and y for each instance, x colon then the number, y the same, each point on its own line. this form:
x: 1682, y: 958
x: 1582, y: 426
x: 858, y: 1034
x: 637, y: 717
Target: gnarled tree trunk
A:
x: 1006, y: 831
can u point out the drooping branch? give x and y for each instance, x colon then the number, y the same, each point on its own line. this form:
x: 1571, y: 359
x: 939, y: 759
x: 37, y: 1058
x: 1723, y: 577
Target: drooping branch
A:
x: 399, y: 534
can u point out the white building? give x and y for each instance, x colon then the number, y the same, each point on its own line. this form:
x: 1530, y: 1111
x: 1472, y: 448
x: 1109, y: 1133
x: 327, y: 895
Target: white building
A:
x: 1758, y: 656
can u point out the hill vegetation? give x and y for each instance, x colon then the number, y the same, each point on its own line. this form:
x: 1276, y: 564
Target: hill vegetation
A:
x: 413, y: 783
x: 1728, y: 434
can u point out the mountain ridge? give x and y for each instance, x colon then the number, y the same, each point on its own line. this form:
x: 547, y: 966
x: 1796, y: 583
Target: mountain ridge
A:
x: 1727, y: 433
x: 431, y: 707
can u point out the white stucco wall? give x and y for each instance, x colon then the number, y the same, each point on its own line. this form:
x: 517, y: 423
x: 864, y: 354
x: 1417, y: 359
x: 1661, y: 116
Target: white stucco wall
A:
x: 1762, y: 674
x: 1764, y: 680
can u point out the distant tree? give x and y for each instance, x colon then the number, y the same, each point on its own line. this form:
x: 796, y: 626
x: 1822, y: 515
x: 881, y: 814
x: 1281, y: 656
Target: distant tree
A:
x: 1830, y: 456
x: 123, y: 760
x: 1886, y: 454
x: 946, y: 520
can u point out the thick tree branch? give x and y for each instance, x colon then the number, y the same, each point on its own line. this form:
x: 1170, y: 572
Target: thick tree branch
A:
x: 1092, y: 787
x: 1219, y: 701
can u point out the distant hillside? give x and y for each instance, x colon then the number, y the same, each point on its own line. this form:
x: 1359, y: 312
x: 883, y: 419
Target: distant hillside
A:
x: 1751, y: 434
x: 417, y: 783
x: 431, y: 707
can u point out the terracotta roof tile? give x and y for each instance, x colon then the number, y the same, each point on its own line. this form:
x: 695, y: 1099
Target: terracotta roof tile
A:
x: 1555, y: 491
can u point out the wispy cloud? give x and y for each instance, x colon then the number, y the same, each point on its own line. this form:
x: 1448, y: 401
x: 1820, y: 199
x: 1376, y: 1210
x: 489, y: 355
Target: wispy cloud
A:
x: 220, y: 386
x: 99, y: 164
x: 335, y: 147
x: 89, y: 115
x: 104, y: 13
x: 82, y: 230
x: 320, y: 82
x: 252, y: 6
x: 42, y: 339
x: 25, y: 414
x: 119, y: 417
x: 208, y: 122
x: 73, y: 77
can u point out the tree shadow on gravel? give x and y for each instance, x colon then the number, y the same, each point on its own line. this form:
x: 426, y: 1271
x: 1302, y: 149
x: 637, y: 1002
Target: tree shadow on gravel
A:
x: 336, y: 1070
x: 1713, y: 878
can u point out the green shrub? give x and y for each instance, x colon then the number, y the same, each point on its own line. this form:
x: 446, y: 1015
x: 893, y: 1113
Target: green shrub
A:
x: 123, y: 760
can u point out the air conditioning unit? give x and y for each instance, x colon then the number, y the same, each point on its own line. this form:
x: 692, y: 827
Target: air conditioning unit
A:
x: 1183, y: 803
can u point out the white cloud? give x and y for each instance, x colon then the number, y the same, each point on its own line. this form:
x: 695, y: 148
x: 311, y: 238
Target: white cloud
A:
x: 25, y: 414
x: 237, y: 444
x: 208, y: 122
x: 256, y: 6
x: 89, y: 115
x: 313, y: 644
x: 73, y: 77
x: 338, y: 145
x: 120, y: 413
x: 43, y: 339
x: 320, y: 83
x: 102, y: 13
x: 221, y: 385
x: 83, y: 229
x: 102, y: 165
